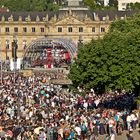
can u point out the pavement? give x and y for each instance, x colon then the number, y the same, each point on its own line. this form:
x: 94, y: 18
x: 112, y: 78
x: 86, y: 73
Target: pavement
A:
x: 135, y: 134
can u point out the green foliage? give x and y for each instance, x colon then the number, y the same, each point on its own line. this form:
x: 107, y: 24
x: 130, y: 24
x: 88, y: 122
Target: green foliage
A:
x: 90, y: 3
x: 113, y: 3
x: 15, y: 5
x: 43, y: 5
x: 99, y: 4
x: 112, y: 62
x: 137, y: 100
x: 133, y: 6
x: 128, y: 25
x: 29, y: 5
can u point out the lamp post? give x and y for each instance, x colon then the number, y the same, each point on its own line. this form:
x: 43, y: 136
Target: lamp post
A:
x: 1, y: 63
x: 18, y: 107
x: 14, y: 56
x: 7, y: 47
x: 24, y: 44
x: 80, y: 42
x: 14, y: 53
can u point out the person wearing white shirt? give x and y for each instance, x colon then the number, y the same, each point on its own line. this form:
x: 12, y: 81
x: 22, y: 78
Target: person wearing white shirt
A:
x: 8, y: 110
x: 78, y: 130
x: 53, y: 104
x: 112, y: 137
x: 134, y: 121
x: 111, y: 123
x: 132, y: 116
x: 128, y: 119
x: 97, y: 101
x: 85, y: 105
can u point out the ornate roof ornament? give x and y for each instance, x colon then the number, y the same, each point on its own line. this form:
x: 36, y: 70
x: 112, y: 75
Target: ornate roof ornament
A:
x: 107, y: 18
x: 73, y: 14
x: 125, y: 17
x: 97, y: 17
x: 70, y: 12
x: 116, y: 17
x: 10, y: 18
x: 87, y: 18
x: 37, y: 18
x: 54, y: 18
x: 46, y: 18
x: 67, y: 13
x: 20, y: 18
x: 2, y: 18
x: 28, y: 18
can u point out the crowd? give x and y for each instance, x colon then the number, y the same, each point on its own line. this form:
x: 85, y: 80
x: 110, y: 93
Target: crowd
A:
x: 33, y: 109
x: 5, y: 65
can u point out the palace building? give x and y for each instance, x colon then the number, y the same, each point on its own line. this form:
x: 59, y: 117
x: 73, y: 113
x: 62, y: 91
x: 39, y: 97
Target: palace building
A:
x: 53, y: 34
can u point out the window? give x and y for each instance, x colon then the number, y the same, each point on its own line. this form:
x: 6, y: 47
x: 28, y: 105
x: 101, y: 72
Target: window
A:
x: 123, y: 4
x: 93, y: 29
x: 59, y: 29
x: 16, y: 29
x: 33, y: 29
x: 69, y: 29
x: 42, y: 29
x: 80, y: 29
x: 102, y: 29
x: 7, y: 29
x: 24, y: 29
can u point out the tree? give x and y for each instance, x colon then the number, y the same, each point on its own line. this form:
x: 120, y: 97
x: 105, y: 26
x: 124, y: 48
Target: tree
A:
x: 99, y: 4
x: 15, y: 5
x: 29, y: 5
x: 112, y: 62
x: 90, y: 3
x: 113, y: 3
x: 133, y: 6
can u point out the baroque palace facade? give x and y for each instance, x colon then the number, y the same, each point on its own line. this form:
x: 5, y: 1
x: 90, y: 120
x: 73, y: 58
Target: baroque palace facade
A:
x: 70, y: 23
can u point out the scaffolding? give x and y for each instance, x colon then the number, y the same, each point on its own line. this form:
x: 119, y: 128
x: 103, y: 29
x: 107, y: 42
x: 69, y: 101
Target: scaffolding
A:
x: 49, y: 53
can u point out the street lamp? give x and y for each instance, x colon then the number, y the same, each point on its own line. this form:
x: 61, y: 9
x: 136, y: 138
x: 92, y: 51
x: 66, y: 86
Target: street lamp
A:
x: 14, y: 56
x: 14, y: 48
x: 1, y: 63
x: 18, y: 107
x: 14, y: 53
x: 80, y: 42
x: 24, y: 44
x: 7, y: 47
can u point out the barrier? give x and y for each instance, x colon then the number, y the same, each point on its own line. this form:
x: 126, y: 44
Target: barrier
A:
x: 27, y: 73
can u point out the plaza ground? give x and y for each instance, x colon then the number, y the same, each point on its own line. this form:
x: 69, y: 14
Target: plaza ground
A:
x: 136, y: 135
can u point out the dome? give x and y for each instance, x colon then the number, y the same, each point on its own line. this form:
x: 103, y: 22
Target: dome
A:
x: 49, y: 53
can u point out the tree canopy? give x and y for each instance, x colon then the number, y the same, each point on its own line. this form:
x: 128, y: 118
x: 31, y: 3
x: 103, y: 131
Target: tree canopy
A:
x: 113, y: 62
x: 52, y: 5
x: 29, y: 5
x: 99, y: 4
x: 133, y: 6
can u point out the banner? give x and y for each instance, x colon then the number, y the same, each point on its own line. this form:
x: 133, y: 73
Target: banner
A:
x: 27, y: 73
